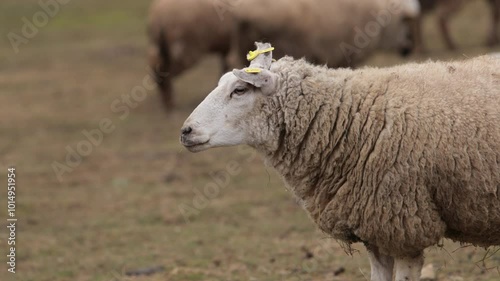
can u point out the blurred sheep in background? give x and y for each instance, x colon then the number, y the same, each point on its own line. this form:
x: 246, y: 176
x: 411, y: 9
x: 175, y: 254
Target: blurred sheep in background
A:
x: 336, y: 33
x: 181, y: 33
x: 445, y: 9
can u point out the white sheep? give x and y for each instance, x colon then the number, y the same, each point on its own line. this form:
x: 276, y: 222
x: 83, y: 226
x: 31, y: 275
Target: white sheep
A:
x: 396, y: 158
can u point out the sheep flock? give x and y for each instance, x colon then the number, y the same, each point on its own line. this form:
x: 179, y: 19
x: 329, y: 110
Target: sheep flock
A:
x: 183, y: 32
x: 337, y: 33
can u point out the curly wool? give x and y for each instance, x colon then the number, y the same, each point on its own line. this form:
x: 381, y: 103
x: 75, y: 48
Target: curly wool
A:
x: 396, y: 158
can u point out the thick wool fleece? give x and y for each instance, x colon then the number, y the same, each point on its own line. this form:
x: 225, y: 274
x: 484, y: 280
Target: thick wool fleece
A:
x: 396, y: 158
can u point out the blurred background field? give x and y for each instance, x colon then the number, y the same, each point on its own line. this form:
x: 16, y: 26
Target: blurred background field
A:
x: 118, y: 211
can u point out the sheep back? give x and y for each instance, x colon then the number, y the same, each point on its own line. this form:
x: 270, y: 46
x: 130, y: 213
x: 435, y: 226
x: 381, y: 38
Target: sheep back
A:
x: 398, y: 157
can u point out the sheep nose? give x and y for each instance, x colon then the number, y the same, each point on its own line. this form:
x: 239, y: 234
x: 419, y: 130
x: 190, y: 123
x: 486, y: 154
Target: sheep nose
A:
x: 186, y: 130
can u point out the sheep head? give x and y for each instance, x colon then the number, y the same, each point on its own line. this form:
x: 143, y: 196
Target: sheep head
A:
x: 397, y: 22
x: 222, y: 118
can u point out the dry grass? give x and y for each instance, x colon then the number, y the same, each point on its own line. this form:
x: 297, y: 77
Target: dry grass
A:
x: 119, y: 209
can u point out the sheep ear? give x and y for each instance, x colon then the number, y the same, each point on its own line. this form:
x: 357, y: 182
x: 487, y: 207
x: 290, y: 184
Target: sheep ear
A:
x: 260, y: 78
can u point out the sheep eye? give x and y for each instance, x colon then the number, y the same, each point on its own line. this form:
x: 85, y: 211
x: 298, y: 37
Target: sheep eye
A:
x: 239, y: 91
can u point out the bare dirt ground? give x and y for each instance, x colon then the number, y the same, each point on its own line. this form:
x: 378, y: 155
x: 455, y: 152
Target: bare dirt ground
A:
x: 119, y: 210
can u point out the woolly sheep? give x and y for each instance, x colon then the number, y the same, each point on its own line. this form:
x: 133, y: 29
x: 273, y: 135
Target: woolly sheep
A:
x: 396, y: 158
x: 338, y: 32
x: 183, y: 32
x: 445, y: 9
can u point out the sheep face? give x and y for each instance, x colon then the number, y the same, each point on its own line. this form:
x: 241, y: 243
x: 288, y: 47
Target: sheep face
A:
x: 223, y: 118
x: 397, y: 34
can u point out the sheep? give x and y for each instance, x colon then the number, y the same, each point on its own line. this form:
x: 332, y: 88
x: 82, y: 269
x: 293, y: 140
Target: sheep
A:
x: 180, y: 34
x: 338, y: 33
x: 445, y: 9
x: 396, y: 158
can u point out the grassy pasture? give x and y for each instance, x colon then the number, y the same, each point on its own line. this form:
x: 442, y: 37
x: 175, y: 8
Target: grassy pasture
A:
x: 118, y: 210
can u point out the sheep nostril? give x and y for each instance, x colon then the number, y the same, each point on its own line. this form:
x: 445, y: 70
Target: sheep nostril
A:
x: 186, y: 130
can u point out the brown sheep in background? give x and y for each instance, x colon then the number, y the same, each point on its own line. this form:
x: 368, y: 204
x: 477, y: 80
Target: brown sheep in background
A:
x: 181, y: 33
x: 338, y: 33
x: 445, y: 9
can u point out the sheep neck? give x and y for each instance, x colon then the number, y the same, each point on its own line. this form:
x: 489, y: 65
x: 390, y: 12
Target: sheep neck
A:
x: 311, y: 132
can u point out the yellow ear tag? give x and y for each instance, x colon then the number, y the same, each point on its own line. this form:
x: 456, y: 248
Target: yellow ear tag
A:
x: 253, y: 54
x: 253, y: 70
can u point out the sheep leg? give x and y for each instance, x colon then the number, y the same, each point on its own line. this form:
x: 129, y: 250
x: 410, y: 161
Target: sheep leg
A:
x: 160, y: 74
x: 445, y: 31
x: 381, y: 265
x: 408, y: 269
x: 445, y: 11
x: 163, y: 69
x: 165, y: 86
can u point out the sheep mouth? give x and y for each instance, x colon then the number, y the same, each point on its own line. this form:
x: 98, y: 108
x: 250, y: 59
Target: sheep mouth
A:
x: 195, y: 146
